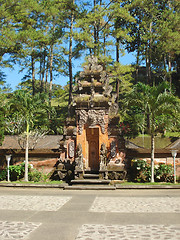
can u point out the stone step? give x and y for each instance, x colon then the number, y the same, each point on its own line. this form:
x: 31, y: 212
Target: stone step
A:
x: 90, y: 187
x: 90, y: 181
x: 91, y: 175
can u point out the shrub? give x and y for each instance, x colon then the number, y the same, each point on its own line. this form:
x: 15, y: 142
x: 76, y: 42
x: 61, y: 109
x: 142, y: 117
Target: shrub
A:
x: 164, y: 173
x: 141, y: 172
x: 3, y: 175
x: 16, y: 171
x: 36, y: 176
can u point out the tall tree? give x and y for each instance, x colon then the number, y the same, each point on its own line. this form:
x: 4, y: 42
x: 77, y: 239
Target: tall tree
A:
x: 159, y: 108
x: 28, y: 108
x: 155, y: 37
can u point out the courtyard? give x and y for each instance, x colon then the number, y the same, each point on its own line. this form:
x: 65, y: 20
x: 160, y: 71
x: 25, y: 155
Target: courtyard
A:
x: 34, y: 214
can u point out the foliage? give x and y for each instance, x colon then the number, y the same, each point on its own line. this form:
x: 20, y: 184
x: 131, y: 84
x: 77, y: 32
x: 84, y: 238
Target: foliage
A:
x: 164, y: 173
x: 37, y: 176
x: 157, y: 109
x: 29, y: 108
x: 141, y: 172
x: 16, y: 172
x: 122, y: 74
x: 125, y: 129
x: 3, y: 175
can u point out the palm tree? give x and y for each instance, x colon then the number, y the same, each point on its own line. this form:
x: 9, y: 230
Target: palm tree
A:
x: 159, y: 108
x: 28, y: 107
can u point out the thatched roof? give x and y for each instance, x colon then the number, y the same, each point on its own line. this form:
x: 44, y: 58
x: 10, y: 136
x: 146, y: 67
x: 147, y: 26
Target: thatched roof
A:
x: 174, y: 145
x: 47, y: 142
x: 131, y: 145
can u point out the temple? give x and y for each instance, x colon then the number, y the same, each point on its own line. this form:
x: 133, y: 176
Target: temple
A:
x: 92, y: 140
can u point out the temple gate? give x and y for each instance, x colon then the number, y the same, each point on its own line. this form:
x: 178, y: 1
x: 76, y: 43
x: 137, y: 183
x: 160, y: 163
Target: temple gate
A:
x: 92, y: 140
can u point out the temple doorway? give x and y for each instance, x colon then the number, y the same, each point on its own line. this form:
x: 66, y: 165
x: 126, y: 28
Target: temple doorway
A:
x: 93, y: 148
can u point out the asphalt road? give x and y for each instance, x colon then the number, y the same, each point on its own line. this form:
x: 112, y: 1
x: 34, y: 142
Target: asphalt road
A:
x: 55, y: 214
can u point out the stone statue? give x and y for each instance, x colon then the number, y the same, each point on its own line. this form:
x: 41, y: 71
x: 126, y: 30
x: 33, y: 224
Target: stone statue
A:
x: 103, y: 157
x: 79, y: 157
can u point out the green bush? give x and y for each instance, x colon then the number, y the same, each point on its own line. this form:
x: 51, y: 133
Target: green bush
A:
x: 36, y: 176
x: 3, y: 175
x: 16, y: 171
x: 164, y: 173
x: 141, y: 172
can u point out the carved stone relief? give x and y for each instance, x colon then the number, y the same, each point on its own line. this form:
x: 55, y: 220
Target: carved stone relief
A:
x: 93, y: 64
x: 92, y: 117
x: 114, y: 109
x: 79, y: 157
x: 113, y: 149
x: 103, y: 157
x: 71, y: 149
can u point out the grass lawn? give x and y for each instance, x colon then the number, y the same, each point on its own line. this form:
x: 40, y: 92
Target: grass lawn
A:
x: 160, y: 141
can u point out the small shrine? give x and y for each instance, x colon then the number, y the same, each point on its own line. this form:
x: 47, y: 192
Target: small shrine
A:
x: 92, y: 141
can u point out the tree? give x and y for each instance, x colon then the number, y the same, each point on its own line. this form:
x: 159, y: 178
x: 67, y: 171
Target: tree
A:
x: 2, y: 116
x: 155, y: 37
x: 159, y: 108
x: 122, y: 76
x: 28, y: 108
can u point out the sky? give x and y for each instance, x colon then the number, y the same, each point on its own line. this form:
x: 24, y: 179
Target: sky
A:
x: 13, y: 77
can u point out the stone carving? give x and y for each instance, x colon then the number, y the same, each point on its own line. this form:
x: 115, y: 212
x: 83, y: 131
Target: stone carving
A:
x: 93, y: 64
x: 71, y: 149
x: 103, y: 157
x: 92, y: 117
x: 103, y: 76
x: 113, y: 149
x: 107, y: 90
x: 79, y: 157
x: 83, y: 116
x: 114, y: 109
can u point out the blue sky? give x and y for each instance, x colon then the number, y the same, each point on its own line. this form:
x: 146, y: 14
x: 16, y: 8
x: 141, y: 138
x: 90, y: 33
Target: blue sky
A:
x: 13, y: 77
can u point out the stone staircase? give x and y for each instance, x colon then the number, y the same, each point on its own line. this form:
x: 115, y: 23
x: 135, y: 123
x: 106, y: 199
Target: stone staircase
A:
x: 90, y: 181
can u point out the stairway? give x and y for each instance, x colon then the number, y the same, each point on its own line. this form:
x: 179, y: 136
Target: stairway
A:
x: 90, y: 181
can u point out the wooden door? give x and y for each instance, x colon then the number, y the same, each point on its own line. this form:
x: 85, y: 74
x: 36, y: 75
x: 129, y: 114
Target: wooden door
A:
x: 93, y: 155
x: 93, y: 143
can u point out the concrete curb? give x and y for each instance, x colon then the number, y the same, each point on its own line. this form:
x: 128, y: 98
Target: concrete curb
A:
x: 119, y: 186
x: 65, y: 186
x: 33, y: 185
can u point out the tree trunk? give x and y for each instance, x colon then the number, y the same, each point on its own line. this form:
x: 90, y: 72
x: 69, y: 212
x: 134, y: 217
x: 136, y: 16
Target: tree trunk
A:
x: 117, y: 60
x: 70, y: 57
x: 169, y: 70
x: 26, y: 154
x: 148, y: 56
x: 164, y: 65
x: 43, y: 71
x: 148, y: 68
x: 152, y: 157
x: 47, y: 71
x: 137, y: 65
x: 51, y: 74
x: 95, y: 32
x: 33, y: 74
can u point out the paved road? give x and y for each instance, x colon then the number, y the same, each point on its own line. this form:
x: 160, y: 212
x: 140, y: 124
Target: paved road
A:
x: 54, y: 214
